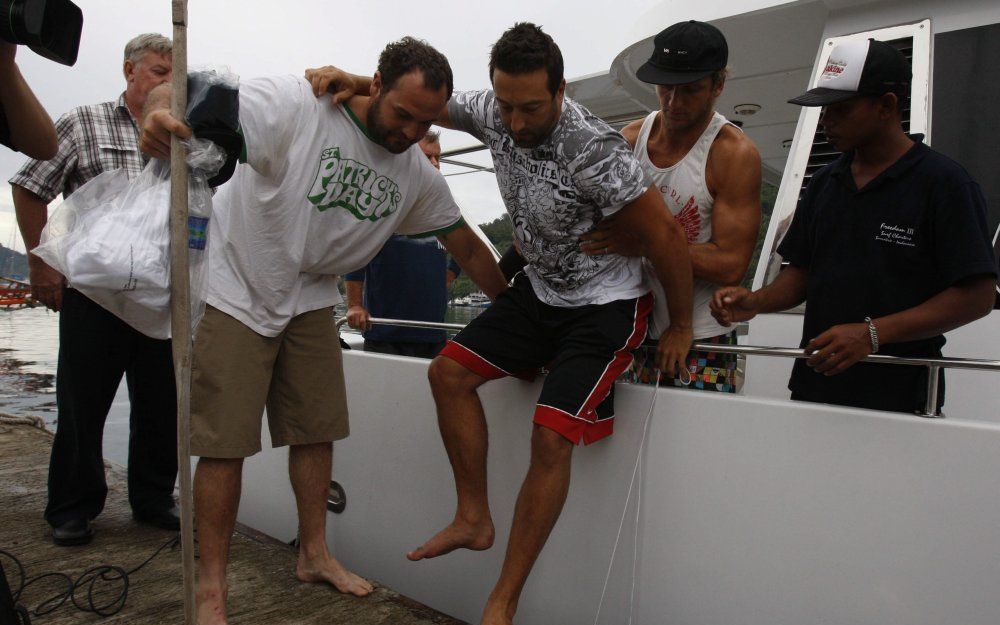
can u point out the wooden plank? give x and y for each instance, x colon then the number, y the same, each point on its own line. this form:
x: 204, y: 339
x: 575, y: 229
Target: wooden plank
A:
x: 263, y: 588
x: 180, y: 304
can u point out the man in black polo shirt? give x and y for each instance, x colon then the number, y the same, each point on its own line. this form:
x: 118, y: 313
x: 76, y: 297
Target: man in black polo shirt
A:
x: 888, y: 247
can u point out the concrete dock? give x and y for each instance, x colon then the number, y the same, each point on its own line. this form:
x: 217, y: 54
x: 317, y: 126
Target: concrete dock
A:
x: 263, y: 588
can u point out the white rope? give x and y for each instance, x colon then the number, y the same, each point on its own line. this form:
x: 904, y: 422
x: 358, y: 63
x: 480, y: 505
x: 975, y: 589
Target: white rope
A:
x: 621, y: 524
x: 635, y: 528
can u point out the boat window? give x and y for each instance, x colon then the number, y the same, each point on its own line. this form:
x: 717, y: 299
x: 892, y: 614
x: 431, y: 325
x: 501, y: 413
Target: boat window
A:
x: 965, y: 108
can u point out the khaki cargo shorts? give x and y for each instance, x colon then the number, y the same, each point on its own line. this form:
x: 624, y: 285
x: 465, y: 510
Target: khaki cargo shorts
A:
x: 235, y: 373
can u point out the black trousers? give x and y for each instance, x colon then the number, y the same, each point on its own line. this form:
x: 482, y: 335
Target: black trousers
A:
x: 95, y: 349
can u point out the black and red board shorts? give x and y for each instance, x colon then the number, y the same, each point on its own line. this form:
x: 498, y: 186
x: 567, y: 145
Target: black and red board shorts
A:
x: 584, y: 349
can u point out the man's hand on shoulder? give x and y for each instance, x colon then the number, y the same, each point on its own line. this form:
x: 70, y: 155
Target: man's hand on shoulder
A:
x: 839, y: 348
x: 609, y: 238
x: 631, y: 132
x: 339, y: 84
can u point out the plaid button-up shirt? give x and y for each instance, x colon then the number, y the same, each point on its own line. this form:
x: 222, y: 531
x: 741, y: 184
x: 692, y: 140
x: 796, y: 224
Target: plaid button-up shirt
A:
x: 92, y: 139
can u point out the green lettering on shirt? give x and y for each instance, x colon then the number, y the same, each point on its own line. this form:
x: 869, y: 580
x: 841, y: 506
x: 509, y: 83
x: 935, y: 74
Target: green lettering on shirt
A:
x: 354, y: 186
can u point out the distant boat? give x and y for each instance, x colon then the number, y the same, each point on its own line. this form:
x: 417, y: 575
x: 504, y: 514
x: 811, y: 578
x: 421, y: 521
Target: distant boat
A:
x: 478, y: 300
x: 473, y: 300
x: 15, y: 293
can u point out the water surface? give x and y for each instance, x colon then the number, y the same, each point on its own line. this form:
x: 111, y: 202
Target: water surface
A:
x: 29, y: 351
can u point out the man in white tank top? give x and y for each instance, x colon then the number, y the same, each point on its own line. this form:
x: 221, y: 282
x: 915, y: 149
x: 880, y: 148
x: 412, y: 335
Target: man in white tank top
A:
x: 709, y: 173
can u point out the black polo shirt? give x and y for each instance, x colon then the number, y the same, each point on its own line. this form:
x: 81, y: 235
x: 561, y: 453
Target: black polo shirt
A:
x: 913, y: 231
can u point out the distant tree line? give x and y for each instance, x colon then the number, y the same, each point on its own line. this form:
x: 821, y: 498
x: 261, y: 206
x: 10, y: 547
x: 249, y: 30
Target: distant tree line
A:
x: 500, y: 234
x: 13, y: 264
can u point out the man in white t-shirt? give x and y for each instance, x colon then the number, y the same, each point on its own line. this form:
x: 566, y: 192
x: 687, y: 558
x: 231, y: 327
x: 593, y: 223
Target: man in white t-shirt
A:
x: 708, y: 172
x: 560, y: 170
x: 321, y: 190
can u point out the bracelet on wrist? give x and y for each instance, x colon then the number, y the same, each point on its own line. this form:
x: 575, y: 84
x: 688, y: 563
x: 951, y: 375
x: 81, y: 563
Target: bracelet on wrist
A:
x: 872, y: 334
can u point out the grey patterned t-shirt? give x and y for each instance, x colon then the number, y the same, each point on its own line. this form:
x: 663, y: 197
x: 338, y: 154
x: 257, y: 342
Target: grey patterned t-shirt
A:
x: 557, y: 191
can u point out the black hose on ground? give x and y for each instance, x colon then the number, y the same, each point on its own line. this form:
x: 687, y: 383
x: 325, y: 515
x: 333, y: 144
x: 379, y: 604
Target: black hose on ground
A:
x: 95, y: 580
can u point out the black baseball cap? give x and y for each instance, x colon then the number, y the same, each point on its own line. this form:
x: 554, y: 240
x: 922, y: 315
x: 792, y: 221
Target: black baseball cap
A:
x: 684, y: 53
x: 859, y: 67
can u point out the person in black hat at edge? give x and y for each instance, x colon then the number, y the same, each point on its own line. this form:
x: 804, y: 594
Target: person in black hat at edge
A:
x: 709, y: 175
x: 888, y: 246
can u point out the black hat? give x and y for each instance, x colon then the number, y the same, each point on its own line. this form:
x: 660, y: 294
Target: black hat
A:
x: 859, y: 67
x: 684, y: 53
x: 213, y: 114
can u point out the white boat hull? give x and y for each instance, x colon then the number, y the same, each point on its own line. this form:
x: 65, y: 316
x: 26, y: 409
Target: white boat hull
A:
x: 754, y: 511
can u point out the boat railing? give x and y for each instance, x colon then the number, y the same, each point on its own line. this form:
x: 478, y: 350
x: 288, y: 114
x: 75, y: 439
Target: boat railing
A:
x: 934, y: 365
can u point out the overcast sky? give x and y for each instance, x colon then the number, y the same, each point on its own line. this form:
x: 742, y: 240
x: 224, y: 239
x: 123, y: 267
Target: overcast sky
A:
x: 257, y: 38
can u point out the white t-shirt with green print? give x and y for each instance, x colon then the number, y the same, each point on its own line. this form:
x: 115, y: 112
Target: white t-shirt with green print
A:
x: 316, y: 198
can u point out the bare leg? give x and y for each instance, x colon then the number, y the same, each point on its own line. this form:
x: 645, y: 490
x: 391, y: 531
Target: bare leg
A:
x: 217, y: 484
x: 309, y: 469
x: 538, y: 506
x: 463, y: 430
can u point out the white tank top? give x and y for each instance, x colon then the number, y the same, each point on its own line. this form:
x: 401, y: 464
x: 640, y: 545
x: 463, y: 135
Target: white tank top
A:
x: 685, y: 193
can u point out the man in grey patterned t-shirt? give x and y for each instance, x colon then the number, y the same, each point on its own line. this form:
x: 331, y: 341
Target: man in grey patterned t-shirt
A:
x: 561, y: 171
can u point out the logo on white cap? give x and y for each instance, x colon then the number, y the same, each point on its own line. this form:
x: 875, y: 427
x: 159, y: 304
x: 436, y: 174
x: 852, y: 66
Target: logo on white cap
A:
x: 844, y: 67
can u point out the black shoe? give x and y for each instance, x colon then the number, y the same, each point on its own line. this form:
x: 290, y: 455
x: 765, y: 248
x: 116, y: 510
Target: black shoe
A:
x: 164, y: 518
x: 73, y: 532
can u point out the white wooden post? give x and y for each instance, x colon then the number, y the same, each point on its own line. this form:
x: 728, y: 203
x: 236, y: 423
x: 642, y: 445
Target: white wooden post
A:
x: 180, y: 304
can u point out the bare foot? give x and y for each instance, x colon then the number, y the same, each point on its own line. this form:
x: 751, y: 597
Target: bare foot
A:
x: 211, y: 606
x: 327, y: 569
x: 458, y: 535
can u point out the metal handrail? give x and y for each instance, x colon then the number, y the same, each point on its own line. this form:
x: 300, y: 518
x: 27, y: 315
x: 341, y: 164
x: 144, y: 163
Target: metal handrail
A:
x: 934, y: 365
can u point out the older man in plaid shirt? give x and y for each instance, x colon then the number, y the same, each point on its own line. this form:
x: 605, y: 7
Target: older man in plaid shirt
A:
x: 95, y: 347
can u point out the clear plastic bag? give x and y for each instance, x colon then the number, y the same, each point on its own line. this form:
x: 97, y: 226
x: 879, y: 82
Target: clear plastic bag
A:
x: 111, y: 239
